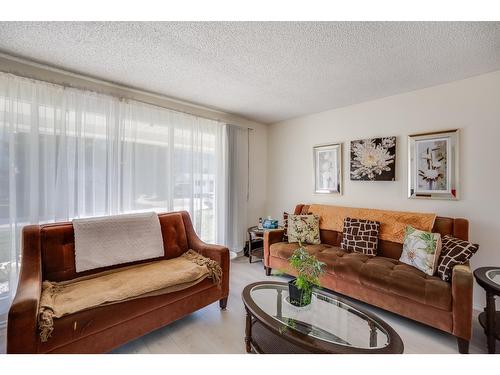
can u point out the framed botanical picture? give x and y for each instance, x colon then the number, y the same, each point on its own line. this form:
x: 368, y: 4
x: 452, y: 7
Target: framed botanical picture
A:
x: 373, y: 159
x: 328, y: 169
x: 433, y: 165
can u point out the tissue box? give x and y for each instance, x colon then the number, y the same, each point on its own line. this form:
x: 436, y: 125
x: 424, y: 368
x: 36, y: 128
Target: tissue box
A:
x: 270, y: 224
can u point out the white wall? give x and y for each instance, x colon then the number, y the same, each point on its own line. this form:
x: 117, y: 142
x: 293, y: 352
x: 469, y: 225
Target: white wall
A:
x: 473, y: 105
x: 258, y: 173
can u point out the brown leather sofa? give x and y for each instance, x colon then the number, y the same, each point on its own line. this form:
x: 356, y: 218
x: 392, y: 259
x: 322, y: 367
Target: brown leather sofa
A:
x: 385, y: 282
x: 48, y: 254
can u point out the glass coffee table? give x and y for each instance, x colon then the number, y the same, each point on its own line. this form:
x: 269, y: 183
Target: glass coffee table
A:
x: 328, y: 325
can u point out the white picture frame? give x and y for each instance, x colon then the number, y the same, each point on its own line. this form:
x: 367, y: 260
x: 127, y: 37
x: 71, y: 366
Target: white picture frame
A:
x: 327, y: 165
x: 433, y: 171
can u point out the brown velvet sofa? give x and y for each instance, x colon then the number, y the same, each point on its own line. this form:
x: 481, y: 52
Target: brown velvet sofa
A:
x: 385, y: 282
x: 48, y: 254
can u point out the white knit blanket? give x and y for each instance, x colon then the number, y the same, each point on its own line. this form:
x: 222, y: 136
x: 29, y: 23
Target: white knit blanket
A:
x: 109, y: 240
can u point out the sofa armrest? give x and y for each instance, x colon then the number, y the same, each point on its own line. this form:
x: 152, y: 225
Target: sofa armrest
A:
x: 270, y: 237
x: 22, y: 331
x: 461, y: 290
x: 216, y: 252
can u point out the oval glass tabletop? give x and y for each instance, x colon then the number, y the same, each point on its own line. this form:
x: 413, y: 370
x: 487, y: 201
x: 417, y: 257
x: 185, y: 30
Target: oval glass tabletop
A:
x: 327, y: 318
x: 494, y: 275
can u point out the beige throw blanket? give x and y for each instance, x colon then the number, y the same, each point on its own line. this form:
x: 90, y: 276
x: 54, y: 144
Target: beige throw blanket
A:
x: 165, y: 276
x: 109, y: 240
x: 392, y: 223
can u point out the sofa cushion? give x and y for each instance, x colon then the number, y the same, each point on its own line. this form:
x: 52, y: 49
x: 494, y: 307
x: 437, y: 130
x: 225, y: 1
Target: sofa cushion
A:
x: 76, y: 326
x: 285, y: 225
x: 393, y: 277
x: 360, y: 236
x: 421, y: 249
x: 284, y: 250
x: 303, y: 228
x: 454, y: 251
x: 386, y: 275
x: 323, y: 252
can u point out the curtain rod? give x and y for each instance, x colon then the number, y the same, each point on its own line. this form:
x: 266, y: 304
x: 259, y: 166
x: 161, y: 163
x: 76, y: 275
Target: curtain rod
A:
x: 31, y: 68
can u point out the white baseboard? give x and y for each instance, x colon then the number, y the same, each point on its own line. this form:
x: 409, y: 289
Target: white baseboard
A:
x: 477, y: 308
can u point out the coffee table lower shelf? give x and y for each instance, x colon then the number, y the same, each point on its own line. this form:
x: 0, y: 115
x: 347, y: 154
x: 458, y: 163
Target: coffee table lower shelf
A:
x: 264, y: 341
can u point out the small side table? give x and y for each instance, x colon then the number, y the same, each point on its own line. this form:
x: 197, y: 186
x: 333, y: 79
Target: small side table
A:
x: 488, y: 278
x: 255, y: 234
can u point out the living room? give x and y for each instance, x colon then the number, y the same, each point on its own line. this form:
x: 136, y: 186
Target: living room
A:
x: 301, y: 186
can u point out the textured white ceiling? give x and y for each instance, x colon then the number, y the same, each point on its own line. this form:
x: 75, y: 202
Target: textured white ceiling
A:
x: 265, y: 71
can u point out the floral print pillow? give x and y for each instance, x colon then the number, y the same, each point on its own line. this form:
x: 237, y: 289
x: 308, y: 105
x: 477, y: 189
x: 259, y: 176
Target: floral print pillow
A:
x: 421, y: 250
x: 303, y: 228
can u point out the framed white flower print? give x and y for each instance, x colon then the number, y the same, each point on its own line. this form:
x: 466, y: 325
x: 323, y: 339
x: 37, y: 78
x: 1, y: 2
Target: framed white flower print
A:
x: 373, y: 159
x: 328, y: 169
x: 433, y: 165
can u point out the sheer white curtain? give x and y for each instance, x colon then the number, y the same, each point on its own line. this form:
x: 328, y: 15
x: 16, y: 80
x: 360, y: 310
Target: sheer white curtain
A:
x: 67, y: 153
x: 237, y: 187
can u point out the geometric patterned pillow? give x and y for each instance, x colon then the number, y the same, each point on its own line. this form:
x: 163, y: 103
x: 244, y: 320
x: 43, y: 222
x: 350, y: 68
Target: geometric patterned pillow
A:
x: 360, y: 236
x: 453, y: 252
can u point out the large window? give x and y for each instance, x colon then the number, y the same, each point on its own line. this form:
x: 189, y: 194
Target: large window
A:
x: 66, y: 153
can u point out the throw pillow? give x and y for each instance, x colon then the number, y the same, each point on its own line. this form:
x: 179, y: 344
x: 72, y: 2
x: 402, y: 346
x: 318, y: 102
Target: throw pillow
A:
x: 454, y: 251
x: 285, y: 226
x: 303, y: 228
x: 360, y: 236
x: 421, y: 249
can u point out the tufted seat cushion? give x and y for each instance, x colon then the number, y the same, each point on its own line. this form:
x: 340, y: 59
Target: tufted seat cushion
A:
x: 285, y: 250
x: 385, y: 275
x: 324, y: 252
x: 393, y: 277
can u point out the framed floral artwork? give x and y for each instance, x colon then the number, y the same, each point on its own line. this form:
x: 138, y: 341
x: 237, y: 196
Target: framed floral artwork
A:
x: 373, y: 159
x: 328, y: 169
x: 433, y: 165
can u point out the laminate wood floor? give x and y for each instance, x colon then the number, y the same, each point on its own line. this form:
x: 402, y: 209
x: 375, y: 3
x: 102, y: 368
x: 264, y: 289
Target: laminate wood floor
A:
x: 211, y: 330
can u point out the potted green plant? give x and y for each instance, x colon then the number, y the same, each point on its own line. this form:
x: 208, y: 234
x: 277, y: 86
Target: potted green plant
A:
x: 309, y: 269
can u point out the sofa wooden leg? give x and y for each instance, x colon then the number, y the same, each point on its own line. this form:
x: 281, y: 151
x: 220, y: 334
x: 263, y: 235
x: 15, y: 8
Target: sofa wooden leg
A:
x: 223, y: 303
x: 268, y: 271
x: 463, y: 346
